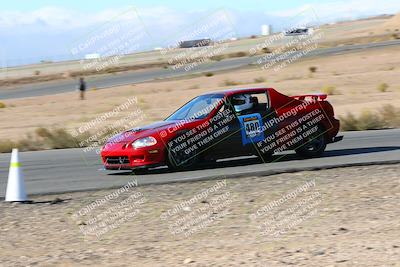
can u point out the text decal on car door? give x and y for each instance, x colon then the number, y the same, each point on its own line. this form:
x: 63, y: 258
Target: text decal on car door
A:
x: 251, y: 128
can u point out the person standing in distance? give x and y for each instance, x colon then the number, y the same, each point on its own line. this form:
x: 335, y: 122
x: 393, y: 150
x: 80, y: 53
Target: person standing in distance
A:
x: 82, y: 87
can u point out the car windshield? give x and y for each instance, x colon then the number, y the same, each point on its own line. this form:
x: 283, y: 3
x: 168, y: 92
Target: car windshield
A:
x: 197, y: 108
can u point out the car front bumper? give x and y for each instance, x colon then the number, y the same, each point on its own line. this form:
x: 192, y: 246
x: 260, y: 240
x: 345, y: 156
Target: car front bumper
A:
x: 122, y: 157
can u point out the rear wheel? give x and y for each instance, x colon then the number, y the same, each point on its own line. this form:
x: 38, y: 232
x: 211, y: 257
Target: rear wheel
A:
x: 266, y: 157
x: 314, y: 145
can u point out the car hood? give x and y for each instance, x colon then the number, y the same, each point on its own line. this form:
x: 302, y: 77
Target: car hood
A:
x: 139, y: 132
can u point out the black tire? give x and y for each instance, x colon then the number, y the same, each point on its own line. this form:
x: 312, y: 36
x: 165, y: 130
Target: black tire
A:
x: 180, y: 164
x: 179, y: 160
x: 314, y: 145
x: 140, y: 171
x: 266, y: 157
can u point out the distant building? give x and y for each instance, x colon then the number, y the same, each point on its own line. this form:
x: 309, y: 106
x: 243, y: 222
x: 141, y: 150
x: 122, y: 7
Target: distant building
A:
x: 266, y: 30
x: 299, y: 31
x: 195, y: 43
x: 92, y: 56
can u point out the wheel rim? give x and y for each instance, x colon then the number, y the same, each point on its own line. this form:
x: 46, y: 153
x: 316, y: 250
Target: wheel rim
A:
x: 181, y: 159
x: 315, y: 143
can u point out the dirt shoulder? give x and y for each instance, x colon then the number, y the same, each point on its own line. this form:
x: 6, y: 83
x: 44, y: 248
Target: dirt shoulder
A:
x: 337, y: 217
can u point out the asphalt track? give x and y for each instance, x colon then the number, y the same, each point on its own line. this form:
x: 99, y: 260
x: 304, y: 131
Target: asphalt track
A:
x: 107, y: 81
x: 68, y: 170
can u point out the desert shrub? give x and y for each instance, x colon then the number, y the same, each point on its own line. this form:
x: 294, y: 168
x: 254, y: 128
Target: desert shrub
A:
x: 238, y: 54
x: 259, y: 80
x: 266, y: 50
x: 36, y: 72
x: 217, y: 57
x: 43, y: 132
x: 395, y: 36
x: 6, y: 146
x: 348, y: 123
x: 390, y: 115
x: 228, y: 82
x: 330, y: 90
x: 196, y: 86
x: 383, y: 87
x: 56, y: 138
x: 44, y: 138
x: 31, y: 143
x: 209, y: 74
x: 370, y: 121
x: 312, y: 69
x: 2, y: 105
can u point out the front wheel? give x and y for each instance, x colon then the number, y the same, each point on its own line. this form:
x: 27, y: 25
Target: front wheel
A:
x: 177, y: 161
x: 314, y: 145
x: 140, y: 171
x: 179, y: 158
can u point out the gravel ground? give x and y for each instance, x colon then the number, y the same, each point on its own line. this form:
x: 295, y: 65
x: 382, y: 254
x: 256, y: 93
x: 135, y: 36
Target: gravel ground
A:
x: 336, y: 217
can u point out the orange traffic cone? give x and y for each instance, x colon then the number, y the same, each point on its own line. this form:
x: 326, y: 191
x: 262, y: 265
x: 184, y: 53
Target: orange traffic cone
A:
x: 15, y: 185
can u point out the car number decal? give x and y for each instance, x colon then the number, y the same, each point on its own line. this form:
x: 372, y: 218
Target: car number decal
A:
x: 251, y: 128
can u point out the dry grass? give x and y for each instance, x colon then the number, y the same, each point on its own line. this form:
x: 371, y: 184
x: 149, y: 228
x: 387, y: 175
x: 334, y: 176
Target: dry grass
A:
x: 390, y: 115
x: 330, y: 90
x: 45, y: 139
x: 383, y: 87
x: 7, y: 145
x: 259, y: 80
x: 2, y: 105
x: 229, y: 82
x: 386, y: 117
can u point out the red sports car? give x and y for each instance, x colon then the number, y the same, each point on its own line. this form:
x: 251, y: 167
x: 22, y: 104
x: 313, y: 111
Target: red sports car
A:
x: 231, y: 123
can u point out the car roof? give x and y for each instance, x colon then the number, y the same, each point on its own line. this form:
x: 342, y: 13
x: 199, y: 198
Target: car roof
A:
x: 233, y: 91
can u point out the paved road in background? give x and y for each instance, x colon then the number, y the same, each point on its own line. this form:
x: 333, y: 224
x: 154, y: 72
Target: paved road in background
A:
x: 73, y: 170
x: 106, y: 81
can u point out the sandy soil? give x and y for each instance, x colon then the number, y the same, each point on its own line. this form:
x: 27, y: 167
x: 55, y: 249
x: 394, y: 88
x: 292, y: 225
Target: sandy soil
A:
x: 355, y: 76
x: 391, y: 25
x: 350, y: 219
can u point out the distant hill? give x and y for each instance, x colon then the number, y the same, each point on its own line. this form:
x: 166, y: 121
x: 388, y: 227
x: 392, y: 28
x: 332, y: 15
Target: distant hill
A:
x: 392, y: 25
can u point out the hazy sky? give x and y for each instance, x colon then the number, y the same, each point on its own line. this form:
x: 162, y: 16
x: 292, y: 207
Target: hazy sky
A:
x: 34, y: 30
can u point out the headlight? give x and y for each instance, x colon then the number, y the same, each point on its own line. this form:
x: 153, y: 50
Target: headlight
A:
x: 143, y: 142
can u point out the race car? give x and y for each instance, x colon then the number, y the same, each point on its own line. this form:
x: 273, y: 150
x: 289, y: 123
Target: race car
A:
x: 226, y: 124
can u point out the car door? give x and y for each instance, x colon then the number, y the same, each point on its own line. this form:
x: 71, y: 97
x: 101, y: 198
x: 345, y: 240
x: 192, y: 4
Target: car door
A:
x: 227, y: 130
